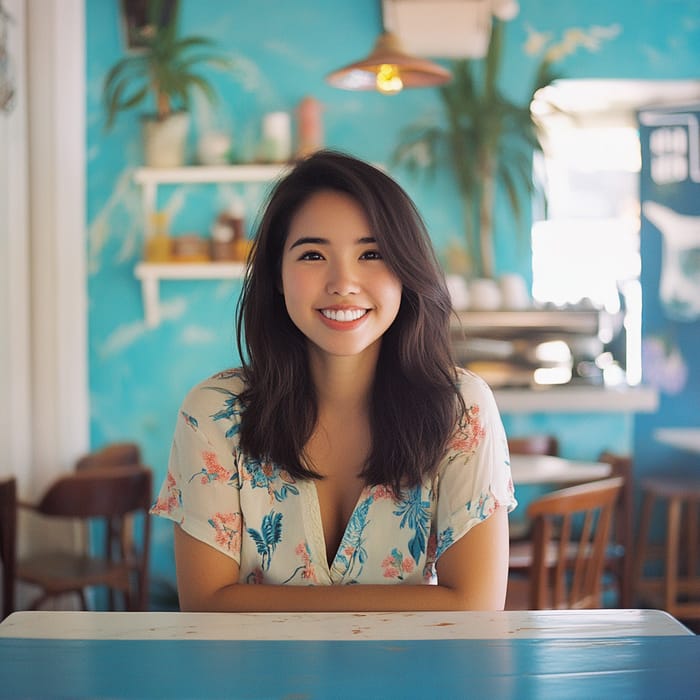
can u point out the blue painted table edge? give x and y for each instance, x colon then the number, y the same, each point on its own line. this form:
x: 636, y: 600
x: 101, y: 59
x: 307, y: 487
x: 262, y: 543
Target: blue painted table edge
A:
x: 638, y: 667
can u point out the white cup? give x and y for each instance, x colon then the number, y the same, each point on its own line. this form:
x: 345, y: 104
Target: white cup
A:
x: 484, y: 295
x: 459, y: 292
x: 514, y: 294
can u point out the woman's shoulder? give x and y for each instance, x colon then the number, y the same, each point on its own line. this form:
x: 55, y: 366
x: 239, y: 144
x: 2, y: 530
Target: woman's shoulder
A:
x: 226, y: 385
x: 472, y: 386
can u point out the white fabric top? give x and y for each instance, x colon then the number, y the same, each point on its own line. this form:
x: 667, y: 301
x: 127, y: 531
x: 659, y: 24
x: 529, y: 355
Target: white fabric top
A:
x: 270, y: 522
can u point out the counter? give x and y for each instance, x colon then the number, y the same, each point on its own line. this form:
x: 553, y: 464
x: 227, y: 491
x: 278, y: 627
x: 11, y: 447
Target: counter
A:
x: 578, y: 399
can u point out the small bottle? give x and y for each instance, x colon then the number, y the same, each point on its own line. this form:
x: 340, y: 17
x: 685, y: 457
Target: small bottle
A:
x: 159, y: 245
x: 228, y: 232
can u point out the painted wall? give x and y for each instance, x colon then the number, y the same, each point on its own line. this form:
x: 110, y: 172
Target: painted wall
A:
x: 137, y: 375
x: 670, y: 246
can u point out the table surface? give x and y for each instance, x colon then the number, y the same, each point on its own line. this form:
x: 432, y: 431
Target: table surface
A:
x: 525, y: 624
x: 682, y: 438
x: 559, y: 654
x: 543, y: 469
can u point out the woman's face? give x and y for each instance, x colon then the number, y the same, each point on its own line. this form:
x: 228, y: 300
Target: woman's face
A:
x: 337, y: 289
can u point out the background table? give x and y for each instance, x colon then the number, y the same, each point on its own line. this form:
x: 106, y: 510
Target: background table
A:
x: 682, y: 438
x: 562, y: 654
x: 543, y: 469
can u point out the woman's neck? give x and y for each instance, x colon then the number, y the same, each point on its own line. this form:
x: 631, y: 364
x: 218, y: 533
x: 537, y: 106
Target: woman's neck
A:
x: 343, y: 383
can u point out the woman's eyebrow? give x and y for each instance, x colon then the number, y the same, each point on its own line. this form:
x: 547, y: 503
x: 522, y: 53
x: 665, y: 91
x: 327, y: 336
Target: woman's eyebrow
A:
x: 309, y: 240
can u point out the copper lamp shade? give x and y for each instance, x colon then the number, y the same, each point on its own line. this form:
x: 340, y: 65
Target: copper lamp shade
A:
x: 388, y: 69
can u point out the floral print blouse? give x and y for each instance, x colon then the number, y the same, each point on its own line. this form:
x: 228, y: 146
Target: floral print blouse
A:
x: 270, y: 523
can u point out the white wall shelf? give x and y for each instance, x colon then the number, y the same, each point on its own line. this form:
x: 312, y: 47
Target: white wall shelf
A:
x: 151, y: 178
x: 151, y: 274
x: 578, y: 399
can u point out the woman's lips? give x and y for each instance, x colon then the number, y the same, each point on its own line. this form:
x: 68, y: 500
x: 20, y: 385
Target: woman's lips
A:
x: 343, y: 319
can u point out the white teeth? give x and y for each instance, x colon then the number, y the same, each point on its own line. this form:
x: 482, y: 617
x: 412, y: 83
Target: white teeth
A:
x: 343, y: 315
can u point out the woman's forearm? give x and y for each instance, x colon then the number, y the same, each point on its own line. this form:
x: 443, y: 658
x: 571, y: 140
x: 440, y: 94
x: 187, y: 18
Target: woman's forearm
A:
x: 339, y: 598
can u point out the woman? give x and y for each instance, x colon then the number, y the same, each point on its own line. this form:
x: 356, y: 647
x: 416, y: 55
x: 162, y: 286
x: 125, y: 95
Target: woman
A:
x: 347, y: 449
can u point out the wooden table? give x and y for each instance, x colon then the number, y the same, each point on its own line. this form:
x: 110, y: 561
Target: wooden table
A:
x: 533, y: 654
x: 543, y: 469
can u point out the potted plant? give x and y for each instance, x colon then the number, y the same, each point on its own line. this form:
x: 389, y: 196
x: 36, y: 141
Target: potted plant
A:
x: 164, y: 69
x: 485, y: 140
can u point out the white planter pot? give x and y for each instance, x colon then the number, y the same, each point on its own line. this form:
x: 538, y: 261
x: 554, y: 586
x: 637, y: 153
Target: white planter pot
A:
x: 164, y: 141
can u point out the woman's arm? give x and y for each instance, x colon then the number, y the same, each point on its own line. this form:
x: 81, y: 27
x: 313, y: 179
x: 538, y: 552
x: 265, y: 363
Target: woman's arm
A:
x: 472, y: 575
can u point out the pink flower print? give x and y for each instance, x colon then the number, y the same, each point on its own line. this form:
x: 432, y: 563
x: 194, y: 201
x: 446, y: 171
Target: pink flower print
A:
x: 381, y: 491
x: 308, y: 573
x: 213, y: 471
x: 256, y: 576
x: 227, y: 527
x: 172, y: 499
x: 395, y: 565
x: 469, y: 433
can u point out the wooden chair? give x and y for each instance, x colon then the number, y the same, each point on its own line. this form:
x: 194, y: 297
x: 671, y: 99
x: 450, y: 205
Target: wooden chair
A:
x: 563, y: 567
x: 8, y: 540
x: 619, y: 556
x: 536, y: 444
x: 676, y: 588
x: 108, y: 495
x: 114, y: 454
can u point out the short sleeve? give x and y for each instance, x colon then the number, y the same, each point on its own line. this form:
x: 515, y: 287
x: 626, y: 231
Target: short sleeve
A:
x: 201, y: 490
x: 474, y: 478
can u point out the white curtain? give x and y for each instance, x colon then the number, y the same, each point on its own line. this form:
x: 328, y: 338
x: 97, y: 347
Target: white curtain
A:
x: 43, y: 365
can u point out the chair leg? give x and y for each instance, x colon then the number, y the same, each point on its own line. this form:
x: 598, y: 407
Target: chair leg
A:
x: 643, y: 542
x: 673, y: 530
x: 693, y: 551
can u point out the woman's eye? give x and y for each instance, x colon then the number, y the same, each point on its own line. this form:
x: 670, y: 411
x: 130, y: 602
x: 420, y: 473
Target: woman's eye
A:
x: 371, y: 255
x: 311, y: 255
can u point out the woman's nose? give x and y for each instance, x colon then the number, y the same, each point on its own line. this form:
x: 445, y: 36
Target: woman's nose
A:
x: 342, y: 279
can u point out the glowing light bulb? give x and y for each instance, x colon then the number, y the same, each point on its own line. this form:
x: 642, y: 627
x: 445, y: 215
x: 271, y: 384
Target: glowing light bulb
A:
x: 388, y: 79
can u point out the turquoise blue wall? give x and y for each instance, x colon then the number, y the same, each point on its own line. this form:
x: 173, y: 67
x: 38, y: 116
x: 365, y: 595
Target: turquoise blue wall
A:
x: 138, y: 375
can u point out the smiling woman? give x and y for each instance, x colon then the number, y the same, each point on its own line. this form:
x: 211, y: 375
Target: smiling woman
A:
x: 347, y: 449
x: 335, y: 279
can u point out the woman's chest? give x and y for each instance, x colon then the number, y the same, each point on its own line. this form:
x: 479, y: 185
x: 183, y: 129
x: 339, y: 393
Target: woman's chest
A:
x: 286, y: 541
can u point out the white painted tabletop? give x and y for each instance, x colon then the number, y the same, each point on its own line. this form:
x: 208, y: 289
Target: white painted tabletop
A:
x: 682, y: 438
x: 541, y: 624
x: 543, y: 469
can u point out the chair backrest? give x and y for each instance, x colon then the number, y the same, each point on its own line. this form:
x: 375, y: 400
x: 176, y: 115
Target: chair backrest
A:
x: 8, y: 539
x: 535, y: 444
x: 622, y: 466
x: 114, y: 454
x: 111, y: 494
x: 569, y: 555
x: 99, y: 493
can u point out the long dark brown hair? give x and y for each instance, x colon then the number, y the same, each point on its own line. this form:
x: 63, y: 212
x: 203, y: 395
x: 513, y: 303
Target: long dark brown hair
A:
x: 415, y: 400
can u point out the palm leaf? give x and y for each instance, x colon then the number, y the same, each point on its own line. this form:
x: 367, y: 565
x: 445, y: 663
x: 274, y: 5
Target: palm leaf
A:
x: 480, y: 126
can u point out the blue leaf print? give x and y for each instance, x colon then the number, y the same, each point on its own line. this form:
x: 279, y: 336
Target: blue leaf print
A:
x: 415, y: 514
x: 353, y: 538
x: 231, y: 410
x: 264, y: 475
x: 445, y: 539
x: 268, y: 538
x: 190, y: 420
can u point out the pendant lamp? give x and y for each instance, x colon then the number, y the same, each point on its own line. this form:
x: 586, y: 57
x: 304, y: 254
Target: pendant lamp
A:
x: 389, y: 69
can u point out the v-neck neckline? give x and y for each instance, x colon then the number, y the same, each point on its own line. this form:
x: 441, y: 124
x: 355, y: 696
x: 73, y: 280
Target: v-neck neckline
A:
x: 317, y: 537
